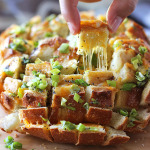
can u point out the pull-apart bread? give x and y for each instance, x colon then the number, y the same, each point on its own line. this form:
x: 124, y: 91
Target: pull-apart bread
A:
x: 87, y: 89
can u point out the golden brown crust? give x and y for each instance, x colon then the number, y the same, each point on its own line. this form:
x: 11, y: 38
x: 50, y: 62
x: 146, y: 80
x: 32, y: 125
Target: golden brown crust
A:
x: 98, y: 115
x: 32, y: 99
x: 34, y: 115
x: 92, y: 24
x: 63, y: 136
x: 104, y: 96
x: 129, y: 99
x: 39, y: 131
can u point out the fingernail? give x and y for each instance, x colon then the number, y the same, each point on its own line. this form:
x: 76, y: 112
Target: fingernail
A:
x: 115, y: 23
x: 71, y: 28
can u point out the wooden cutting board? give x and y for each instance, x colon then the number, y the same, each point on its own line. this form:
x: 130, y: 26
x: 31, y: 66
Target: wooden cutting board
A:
x: 138, y: 142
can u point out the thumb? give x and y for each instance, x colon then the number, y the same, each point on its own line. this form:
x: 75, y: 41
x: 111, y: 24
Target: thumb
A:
x: 71, y: 14
x: 118, y: 11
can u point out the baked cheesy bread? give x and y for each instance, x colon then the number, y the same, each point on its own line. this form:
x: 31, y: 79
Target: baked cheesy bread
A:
x: 89, y: 89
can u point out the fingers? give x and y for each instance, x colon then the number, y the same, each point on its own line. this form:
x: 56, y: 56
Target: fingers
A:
x: 118, y: 11
x: 89, y: 1
x: 71, y: 14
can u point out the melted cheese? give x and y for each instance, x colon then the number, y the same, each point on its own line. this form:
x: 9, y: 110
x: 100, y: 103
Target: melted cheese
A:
x: 93, y: 38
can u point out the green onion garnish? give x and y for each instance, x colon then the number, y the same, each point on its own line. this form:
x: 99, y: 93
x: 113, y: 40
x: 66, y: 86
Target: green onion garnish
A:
x: 36, y: 43
x: 123, y: 112
x: 66, y: 125
x: 94, y: 101
x: 51, y: 17
x: 111, y: 83
x: 20, y: 93
x: 128, y: 86
x: 139, y: 76
x: 81, y: 127
x: 142, y: 50
x: 63, y: 102
x: 18, y: 30
x: 25, y: 60
x: 16, y: 145
x: 48, y: 34
x: 8, y: 72
x: 64, y: 48
x: 80, y: 82
x: 74, y: 89
x: 77, y: 98
x: 86, y: 106
x: 39, y: 104
x: 18, y: 45
x: 38, y: 61
x: 71, y: 108
x: 137, y: 61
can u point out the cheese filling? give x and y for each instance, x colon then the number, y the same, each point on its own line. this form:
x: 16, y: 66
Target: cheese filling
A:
x: 93, y: 39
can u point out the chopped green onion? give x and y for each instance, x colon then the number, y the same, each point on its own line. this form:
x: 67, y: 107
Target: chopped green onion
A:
x: 55, y: 71
x: 139, y: 76
x: 38, y: 61
x: 137, y: 61
x: 141, y: 83
x: 20, y: 93
x: 123, y: 112
x: 74, y: 89
x: 148, y: 73
x: 71, y: 108
x: 18, y: 45
x: 130, y: 124
x: 18, y: 30
x: 128, y: 86
x: 39, y: 104
x: 132, y: 117
x: 81, y: 127
x: 142, y: 50
x: 16, y: 145
x: 66, y: 125
x: 58, y: 67
x: 25, y: 60
x: 94, y: 101
x: 94, y: 60
x: 77, y: 98
x: 117, y: 44
x: 63, y: 102
x: 86, y: 106
x: 48, y: 34
x: 64, y: 48
x: 92, y: 129
x: 9, y: 140
x: 131, y: 47
x: 133, y: 113
x: 111, y: 83
x: 51, y: 17
x: 36, y: 43
x: 81, y: 82
x: 24, y: 85
x: 8, y: 72
x: 55, y: 80
x: 42, y: 75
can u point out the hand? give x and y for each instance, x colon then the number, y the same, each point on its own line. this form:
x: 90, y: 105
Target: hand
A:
x: 117, y: 12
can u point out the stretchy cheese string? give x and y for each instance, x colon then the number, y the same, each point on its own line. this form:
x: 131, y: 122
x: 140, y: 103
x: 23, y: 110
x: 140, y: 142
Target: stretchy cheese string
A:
x: 90, y: 42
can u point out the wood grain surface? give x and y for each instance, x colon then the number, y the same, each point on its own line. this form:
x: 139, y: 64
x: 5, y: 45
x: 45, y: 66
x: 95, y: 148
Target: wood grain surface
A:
x: 138, y: 142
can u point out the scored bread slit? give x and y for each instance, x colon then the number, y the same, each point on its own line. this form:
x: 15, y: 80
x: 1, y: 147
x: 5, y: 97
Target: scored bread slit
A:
x: 93, y: 39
